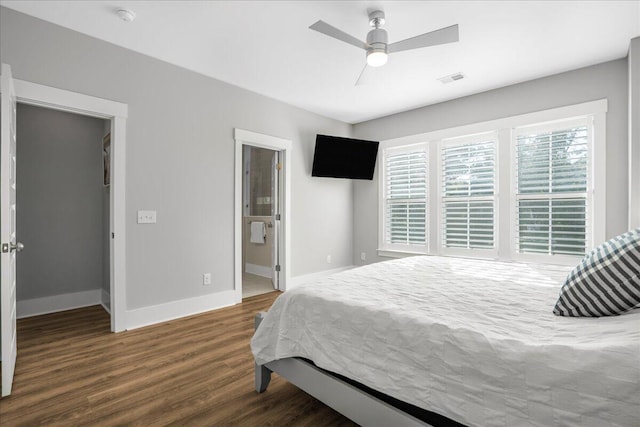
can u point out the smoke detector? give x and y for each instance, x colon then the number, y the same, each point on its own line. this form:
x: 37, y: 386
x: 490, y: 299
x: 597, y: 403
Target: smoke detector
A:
x: 451, y: 78
x: 127, y: 15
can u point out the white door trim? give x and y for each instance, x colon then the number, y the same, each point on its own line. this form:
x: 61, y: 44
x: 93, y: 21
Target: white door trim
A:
x: 244, y: 137
x: 64, y: 100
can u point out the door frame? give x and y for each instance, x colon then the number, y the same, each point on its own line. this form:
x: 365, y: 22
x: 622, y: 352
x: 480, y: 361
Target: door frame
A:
x: 242, y: 138
x: 117, y: 112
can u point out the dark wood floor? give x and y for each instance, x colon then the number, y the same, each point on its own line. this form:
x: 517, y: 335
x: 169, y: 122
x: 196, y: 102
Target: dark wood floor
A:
x: 194, y: 371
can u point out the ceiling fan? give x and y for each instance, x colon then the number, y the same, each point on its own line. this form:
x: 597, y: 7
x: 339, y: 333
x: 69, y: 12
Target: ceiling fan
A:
x: 377, y: 46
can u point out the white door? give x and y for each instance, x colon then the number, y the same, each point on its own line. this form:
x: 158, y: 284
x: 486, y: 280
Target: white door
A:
x: 275, y: 219
x: 8, y: 228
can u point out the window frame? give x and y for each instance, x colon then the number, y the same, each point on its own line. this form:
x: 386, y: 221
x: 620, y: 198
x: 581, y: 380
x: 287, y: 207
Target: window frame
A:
x: 504, y: 188
x: 588, y: 122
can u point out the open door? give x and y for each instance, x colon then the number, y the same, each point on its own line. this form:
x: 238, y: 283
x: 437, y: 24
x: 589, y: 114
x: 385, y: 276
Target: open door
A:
x: 275, y: 214
x: 8, y: 228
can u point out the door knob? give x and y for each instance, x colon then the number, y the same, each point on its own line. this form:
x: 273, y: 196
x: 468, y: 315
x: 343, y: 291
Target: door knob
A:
x: 18, y: 247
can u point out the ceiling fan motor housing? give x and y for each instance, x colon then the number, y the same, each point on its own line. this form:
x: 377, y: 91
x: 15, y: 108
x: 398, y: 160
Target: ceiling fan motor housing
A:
x: 377, y: 39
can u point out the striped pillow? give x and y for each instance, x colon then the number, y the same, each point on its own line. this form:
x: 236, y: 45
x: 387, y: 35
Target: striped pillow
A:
x: 606, y: 282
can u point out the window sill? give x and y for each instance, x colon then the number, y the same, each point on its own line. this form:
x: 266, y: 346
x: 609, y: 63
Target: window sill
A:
x: 489, y: 255
x: 390, y: 253
x: 571, y: 260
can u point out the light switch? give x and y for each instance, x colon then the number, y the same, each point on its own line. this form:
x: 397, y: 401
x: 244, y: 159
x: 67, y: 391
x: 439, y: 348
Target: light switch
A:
x: 146, y: 217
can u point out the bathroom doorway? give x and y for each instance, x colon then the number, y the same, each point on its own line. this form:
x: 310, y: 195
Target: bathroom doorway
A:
x: 260, y: 220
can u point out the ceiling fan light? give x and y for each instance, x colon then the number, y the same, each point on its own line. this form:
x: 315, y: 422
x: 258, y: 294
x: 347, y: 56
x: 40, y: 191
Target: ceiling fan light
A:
x: 376, y: 58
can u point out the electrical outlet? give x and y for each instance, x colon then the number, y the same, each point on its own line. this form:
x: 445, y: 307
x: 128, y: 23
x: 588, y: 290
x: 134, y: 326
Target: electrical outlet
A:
x: 206, y: 279
x: 328, y: 259
x: 363, y: 256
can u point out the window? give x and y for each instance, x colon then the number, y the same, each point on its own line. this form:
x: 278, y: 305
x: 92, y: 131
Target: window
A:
x: 468, y: 192
x: 405, y: 198
x: 552, y: 182
x: 526, y: 188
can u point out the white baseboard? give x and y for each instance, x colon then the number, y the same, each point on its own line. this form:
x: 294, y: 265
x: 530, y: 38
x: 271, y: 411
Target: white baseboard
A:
x: 146, y: 316
x: 299, y: 280
x: 258, y: 270
x: 55, y: 303
x: 106, y: 301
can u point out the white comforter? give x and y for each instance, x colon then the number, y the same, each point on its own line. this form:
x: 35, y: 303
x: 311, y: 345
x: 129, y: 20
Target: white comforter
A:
x: 472, y: 340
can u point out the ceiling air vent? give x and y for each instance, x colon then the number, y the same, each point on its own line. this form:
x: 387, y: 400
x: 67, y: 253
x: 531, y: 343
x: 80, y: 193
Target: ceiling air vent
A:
x: 451, y: 78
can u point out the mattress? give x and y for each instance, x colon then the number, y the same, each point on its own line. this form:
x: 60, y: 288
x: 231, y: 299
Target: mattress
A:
x: 473, y: 340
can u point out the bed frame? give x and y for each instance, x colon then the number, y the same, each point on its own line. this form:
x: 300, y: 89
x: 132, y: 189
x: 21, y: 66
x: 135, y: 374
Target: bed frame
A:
x: 355, y: 404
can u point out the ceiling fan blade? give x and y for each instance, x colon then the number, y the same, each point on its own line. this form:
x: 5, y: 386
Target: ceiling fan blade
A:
x: 433, y: 38
x: 326, y: 29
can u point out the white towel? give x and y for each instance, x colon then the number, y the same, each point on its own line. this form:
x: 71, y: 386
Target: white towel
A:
x: 258, y: 232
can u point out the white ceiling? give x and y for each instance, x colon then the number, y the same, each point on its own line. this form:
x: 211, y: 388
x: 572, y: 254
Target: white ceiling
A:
x: 266, y: 46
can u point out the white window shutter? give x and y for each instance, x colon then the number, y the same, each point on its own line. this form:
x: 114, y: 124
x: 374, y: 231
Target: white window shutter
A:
x: 552, y: 183
x: 468, y: 193
x: 406, y: 197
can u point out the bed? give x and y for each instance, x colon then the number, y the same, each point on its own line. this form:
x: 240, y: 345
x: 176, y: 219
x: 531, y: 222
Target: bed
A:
x: 472, y: 340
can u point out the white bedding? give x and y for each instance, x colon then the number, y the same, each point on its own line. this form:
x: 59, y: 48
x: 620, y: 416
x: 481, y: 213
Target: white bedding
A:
x: 473, y: 340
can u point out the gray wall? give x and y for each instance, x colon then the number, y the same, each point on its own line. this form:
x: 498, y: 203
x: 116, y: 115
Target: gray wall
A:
x: 59, y: 202
x: 180, y: 159
x: 607, y: 80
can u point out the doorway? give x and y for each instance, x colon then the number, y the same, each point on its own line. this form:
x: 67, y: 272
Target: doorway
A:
x: 116, y: 113
x: 63, y: 209
x: 261, y: 254
x: 260, y: 173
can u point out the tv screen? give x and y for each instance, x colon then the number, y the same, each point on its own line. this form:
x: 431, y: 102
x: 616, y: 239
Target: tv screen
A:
x: 337, y: 157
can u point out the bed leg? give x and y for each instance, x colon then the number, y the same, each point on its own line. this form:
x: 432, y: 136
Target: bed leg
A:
x: 263, y: 374
x: 258, y: 319
x: 263, y: 377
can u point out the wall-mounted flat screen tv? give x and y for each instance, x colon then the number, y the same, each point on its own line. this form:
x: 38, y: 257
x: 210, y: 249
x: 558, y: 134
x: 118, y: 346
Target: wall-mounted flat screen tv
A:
x: 337, y: 157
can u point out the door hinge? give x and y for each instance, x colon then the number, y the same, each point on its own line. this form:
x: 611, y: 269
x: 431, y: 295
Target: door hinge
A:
x: 279, y: 166
x: 277, y: 267
x: 113, y: 235
x: 278, y: 217
x: 5, y: 248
